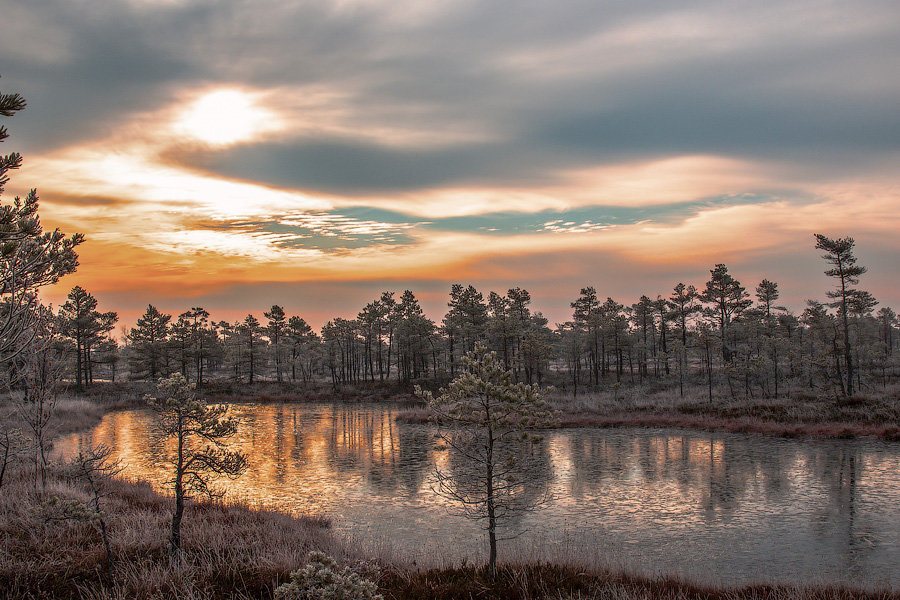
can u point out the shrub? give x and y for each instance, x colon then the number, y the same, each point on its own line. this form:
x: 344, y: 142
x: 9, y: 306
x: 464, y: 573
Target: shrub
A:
x: 321, y: 579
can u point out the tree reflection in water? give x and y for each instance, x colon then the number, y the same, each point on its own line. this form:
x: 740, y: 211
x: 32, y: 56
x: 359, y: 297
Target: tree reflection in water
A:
x: 657, y: 499
x: 520, y: 489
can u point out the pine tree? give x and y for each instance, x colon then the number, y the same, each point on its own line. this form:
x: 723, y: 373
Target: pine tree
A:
x: 200, y: 339
x: 615, y: 326
x: 148, y: 343
x: 414, y: 334
x: 766, y: 295
x: 275, y: 330
x: 304, y: 347
x: 30, y: 258
x: 86, y: 327
x: 180, y: 343
x: 683, y: 303
x: 199, y: 431
x: 250, y: 333
x: 728, y: 299
x: 662, y: 312
x: 537, y: 348
x: 77, y: 315
x: 464, y: 323
x: 839, y: 254
x: 519, y: 311
x: 642, y: 316
x: 587, y: 319
x: 500, y: 327
x: 887, y: 319
x: 368, y: 321
x: 491, y: 418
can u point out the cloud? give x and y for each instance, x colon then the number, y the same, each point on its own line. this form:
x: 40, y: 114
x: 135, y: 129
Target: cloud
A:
x: 421, y: 141
x: 586, y: 79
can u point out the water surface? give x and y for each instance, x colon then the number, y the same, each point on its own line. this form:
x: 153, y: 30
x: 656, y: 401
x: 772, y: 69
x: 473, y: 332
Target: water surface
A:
x: 727, y: 507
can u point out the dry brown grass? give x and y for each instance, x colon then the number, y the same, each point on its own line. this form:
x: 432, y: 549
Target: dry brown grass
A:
x: 270, y: 391
x: 798, y: 415
x: 531, y: 582
x: 230, y: 551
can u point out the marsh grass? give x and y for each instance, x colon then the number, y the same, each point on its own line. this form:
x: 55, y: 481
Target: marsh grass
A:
x: 562, y: 582
x: 796, y: 415
x: 270, y: 391
x: 230, y: 550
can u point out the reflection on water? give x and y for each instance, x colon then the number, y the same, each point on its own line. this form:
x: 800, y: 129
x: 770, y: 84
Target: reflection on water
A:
x: 722, y: 506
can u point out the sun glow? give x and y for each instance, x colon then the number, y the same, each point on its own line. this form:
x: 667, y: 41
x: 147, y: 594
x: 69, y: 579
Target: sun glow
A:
x: 226, y: 116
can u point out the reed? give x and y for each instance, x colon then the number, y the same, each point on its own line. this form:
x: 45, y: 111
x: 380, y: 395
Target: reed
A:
x: 562, y: 582
x: 796, y: 415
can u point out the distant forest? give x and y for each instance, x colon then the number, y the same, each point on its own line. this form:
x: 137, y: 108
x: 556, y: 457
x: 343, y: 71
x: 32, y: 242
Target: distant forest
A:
x: 722, y: 337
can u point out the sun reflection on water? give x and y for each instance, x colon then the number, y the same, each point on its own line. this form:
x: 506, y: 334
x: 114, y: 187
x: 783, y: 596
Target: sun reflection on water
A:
x: 696, y: 503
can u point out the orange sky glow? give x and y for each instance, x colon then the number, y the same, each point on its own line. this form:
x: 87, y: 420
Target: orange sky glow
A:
x: 214, y: 157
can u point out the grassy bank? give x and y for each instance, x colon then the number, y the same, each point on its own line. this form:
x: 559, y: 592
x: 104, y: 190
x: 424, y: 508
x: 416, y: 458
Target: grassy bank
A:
x: 230, y: 551
x: 526, y: 582
x: 797, y: 415
x: 128, y: 394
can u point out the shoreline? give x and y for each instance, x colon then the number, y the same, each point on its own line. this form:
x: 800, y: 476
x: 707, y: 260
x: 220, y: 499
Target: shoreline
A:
x: 813, y: 417
x: 826, y: 430
x: 798, y: 415
x: 234, y: 523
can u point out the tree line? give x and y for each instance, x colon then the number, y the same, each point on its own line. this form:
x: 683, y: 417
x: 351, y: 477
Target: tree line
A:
x: 723, y: 336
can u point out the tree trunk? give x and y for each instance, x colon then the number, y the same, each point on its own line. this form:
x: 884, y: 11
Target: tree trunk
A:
x: 78, y: 374
x: 175, y: 539
x: 492, y: 516
x: 775, y: 366
x: 250, y: 349
x: 848, y: 356
x: 102, y: 521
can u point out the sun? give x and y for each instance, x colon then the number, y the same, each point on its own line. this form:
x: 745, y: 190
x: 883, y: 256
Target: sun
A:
x: 225, y: 116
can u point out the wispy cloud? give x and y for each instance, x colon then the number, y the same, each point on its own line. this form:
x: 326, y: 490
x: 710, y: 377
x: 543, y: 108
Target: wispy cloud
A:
x: 354, y: 140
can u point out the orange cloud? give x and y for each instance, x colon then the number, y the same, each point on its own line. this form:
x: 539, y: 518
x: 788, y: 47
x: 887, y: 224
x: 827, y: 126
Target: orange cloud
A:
x: 158, y: 227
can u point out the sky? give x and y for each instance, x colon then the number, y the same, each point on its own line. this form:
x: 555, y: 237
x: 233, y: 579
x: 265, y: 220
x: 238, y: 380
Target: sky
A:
x: 234, y: 155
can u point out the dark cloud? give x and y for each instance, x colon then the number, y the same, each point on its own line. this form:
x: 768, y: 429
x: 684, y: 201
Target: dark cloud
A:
x: 717, y: 111
x: 110, y: 62
x: 556, y: 85
x: 354, y: 169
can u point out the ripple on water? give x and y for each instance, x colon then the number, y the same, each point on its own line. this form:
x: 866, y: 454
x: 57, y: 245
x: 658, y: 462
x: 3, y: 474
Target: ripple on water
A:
x: 732, y: 507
